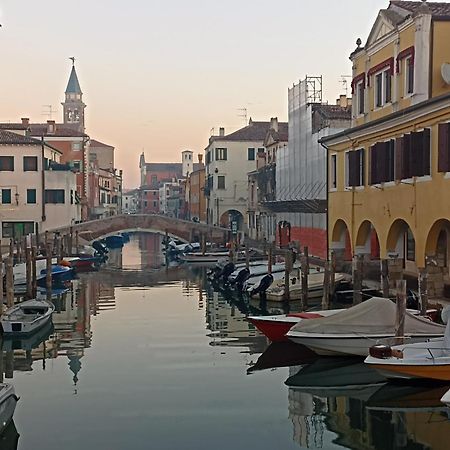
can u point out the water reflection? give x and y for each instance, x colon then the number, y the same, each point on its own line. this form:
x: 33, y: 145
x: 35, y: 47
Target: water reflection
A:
x: 181, y: 349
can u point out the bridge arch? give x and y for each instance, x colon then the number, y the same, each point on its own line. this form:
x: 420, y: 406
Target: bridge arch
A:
x: 151, y: 223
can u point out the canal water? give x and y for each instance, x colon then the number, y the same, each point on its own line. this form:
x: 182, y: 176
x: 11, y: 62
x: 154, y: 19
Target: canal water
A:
x: 144, y: 356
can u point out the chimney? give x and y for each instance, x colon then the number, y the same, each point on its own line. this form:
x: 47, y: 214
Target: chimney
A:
x: 200, y: 159
x: 221, y: 131
x: 25, y: 121
x: 274, y: 124
x: 342, y: 101
x: 51, y: 127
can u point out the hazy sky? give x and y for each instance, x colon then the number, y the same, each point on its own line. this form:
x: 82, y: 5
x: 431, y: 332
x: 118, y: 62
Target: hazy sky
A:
x: 158, y: 76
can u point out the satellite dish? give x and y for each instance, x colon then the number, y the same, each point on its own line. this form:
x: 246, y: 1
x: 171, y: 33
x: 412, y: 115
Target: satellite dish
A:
x: 445, y: 72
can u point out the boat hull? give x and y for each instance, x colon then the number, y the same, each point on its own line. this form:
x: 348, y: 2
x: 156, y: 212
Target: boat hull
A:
x: 274, y: 331
x: 8, y: 401
x: 446, y: 399
x: 409, y: 372
x: 345, y: 345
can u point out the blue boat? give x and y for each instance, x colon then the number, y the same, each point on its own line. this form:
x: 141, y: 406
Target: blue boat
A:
x: 126, y: 236
x: 59, y: 275
x: 115, y: 241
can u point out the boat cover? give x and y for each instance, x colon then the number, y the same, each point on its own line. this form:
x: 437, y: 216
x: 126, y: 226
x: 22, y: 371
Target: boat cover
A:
x: 374, y: 316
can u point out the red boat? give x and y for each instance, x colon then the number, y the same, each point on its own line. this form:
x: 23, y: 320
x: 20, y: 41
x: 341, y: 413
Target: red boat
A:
x: 276, y: 327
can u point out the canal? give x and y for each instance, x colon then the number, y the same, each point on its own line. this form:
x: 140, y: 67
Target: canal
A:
x: 150, y: 357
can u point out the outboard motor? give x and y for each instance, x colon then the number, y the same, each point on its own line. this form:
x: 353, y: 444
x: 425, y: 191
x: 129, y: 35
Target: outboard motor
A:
x: 263, y: 285
x: 242, y: 276
x: 100, y: 248
x: 226, y: 271
x: 412, y: 300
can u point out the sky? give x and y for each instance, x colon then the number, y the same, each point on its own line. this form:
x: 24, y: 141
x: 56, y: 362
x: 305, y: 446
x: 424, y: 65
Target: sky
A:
x: 161, y: 77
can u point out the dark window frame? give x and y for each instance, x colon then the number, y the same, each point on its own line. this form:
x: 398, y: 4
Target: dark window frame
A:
x: 6, y: 163
x: 31, y: 196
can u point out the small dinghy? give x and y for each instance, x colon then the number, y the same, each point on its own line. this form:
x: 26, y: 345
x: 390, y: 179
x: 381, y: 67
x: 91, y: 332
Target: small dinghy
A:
x: 26, y: 317
x: 8, y: 401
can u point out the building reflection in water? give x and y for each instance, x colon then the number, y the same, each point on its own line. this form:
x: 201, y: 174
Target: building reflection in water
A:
x: 69, y: 334
x: 376, y: 416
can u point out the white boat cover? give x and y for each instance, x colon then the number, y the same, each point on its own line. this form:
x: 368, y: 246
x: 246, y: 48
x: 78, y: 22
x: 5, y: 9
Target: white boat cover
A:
x: 374, y: 316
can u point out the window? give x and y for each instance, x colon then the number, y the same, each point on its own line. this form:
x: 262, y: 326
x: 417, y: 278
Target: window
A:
x: 54, y: 196
x: 7, y: 163
x: 154, y: 180
x: 383, y: 88
x: 251, y: 154
x: 382, y: 162
x: 413, y: 155
x: 6, y: 196
x: 221, y: 154
x: 220, y: 182
x: 360, y: 97
x: 410, y: 246
x: 30, y: 164
x: 409, y: 75
x: 76, y: 146
x: 17, y: 229
x: 444, y: 147
x: 333, y: 172
x: 145, y: 203
x: 77, y: 166
x: 31, y: 196
x: 208, y: 157
x: 355, y: 168
x: 155, y: 204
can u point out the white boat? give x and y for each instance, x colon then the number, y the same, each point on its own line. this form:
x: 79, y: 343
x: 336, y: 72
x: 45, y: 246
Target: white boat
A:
x: 257, y: 271
x: 355, y: 330
x: 8, y: 401
x: 26, y: 317
x: 429, y: 359
x: 276, y: 293
x: 209, y: 257
x: 20, y: 271
x: 446, y: 398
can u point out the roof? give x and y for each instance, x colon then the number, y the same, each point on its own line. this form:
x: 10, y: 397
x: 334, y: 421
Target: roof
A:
x: 95, y: 143
x: 10, y: 138
x: 254, y: 131
x: 13, y: 126
x: 73, y: 86
x: 281, y: 135
x: 437, y: 9
x: 334, y: 112
x: 163, y: 167
x: 40, y: 129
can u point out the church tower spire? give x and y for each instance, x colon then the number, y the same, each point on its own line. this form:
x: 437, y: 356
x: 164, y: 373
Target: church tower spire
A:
x: 73, y: 106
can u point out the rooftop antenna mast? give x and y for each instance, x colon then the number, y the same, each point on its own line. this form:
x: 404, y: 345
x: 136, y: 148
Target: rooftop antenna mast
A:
x: 243, y: 115
x: 344, y: 82
x: 48, y: 111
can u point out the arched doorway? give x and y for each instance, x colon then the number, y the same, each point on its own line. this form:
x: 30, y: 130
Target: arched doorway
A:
x: 367, y: 242
x: 340, y: 241
x: 401, y: 244
x: 437, y: 259
x: 232, y: 219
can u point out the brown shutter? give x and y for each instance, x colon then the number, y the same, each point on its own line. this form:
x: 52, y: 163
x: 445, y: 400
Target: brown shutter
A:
x: 391, y: 160
x: 426, y: 151
x: 407, y: 165
x: 352, y: 168
x: 361, y: 167
x: 373, y: 164
x: 416, y: 158
x: 444, y: 147
x: 382, y: 161
x: 399, y: 149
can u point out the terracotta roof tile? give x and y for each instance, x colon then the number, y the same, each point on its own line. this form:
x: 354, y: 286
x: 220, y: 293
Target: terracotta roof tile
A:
x: 437, y: 9
x: 11, y: 138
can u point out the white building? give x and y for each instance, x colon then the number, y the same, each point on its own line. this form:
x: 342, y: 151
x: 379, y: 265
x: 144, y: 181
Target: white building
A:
x: 166, y: 192
x: 37, y: 193
x: 228, y: 159
x: 187, y: 163
x: 130, y: 201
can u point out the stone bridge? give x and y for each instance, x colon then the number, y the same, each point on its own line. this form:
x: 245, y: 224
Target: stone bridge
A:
x: 152, y: 223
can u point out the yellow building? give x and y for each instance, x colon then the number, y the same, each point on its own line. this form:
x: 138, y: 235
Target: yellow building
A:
x: 389, y: 175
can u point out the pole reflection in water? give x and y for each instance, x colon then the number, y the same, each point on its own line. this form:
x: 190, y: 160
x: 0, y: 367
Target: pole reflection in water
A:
x: 158, y: 359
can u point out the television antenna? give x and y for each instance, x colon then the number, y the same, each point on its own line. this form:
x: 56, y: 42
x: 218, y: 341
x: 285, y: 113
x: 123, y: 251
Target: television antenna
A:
x: 243, y: 114
x: 48, y: 111
x: 344, y: 82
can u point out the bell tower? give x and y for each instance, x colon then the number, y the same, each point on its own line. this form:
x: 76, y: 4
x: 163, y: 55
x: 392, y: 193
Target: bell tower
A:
x: 73, y: 106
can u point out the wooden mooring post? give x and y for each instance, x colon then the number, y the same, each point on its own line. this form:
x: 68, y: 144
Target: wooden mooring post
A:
x: 77, y: 243
x: 332, y: 273
x: 29, y: 272
x: 48, y: 275
x: 269, y: 258
x: 1, y: 286
x: 9, y: 283
x: 305, y: 273
x: 357, y: 279
x: 423, y: 290
x: 33, y: 270
x: 247, y: 256
x: 401, y: 311
x: 384, y: 278
x: 326, y: 286
x: 287, y: 273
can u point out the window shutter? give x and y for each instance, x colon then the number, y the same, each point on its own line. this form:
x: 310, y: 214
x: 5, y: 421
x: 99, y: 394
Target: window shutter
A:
x: 399, y: 158
x: 426, y: 151
x: 407, y: 157
x: 361, y: 168
x: 382, y: 161
x: 373, y: 164
x: 352, y: 168
x: 444, y: 147
x: 416, y: 161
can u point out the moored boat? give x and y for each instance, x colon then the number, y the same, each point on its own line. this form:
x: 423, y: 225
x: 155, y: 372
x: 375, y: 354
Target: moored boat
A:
x: 8, y: 401
x: 60, y: 274
x: 26, y: 317
x: 355, y: 330
x: 276, y: 327
x: 446, y: 398
x: 114, y: 241
x: 429, y: 359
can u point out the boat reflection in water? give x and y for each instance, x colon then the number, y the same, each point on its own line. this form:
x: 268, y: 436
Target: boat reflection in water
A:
x: 9, y: 439
x: 347, y: 399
